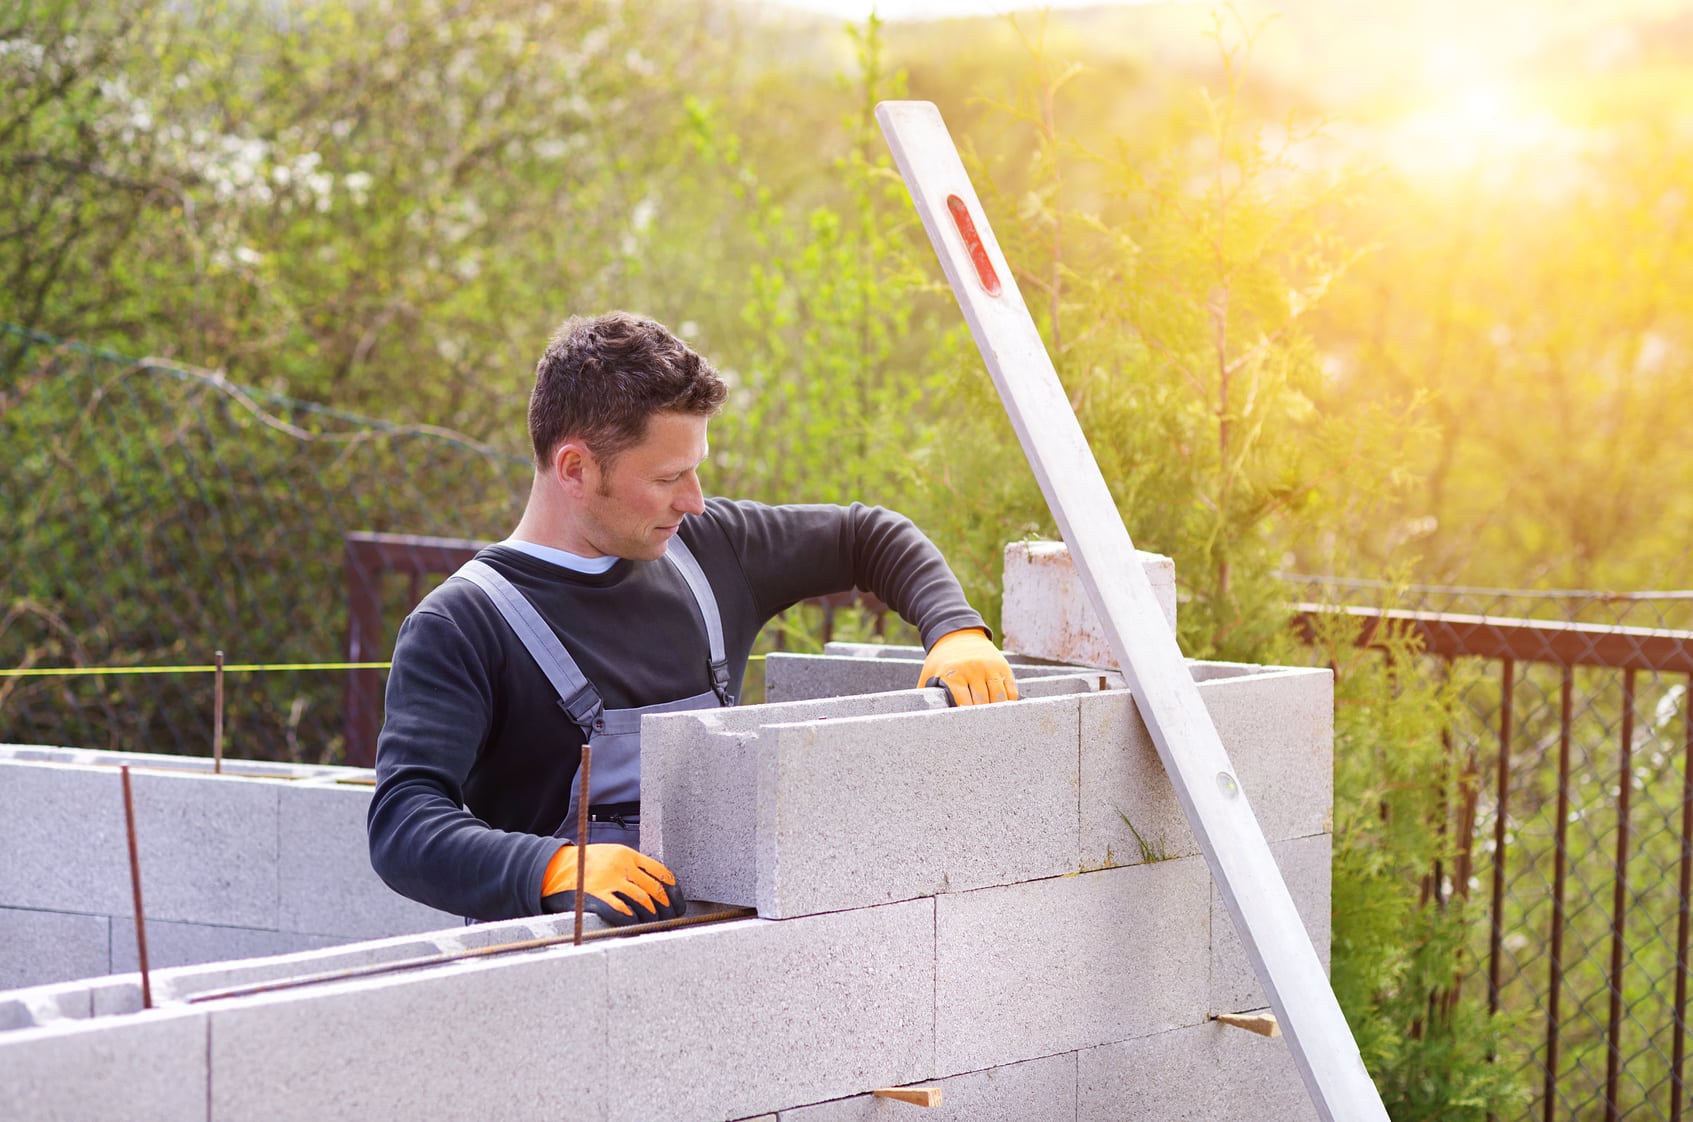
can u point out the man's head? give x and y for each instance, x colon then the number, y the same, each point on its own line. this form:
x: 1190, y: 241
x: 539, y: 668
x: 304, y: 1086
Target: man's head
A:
x: 618, y: 422
x: 602, y: 379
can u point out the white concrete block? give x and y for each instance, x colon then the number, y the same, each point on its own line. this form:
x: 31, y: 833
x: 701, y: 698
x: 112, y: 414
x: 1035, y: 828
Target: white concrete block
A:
x: 699, y: 783
x: 190, y: 944
x: 324, y: 878
x: 1034, y: 1089
x: 37, y: 948
x: 866, y: 810
x: 1305, y: 867
x: 1206, y: 1073
x: 1071, y: 962
x: 795, y: 677
x: 205, y: 857
x: 751, y: 718
x: 1277, y: 726
x: 906, y: 652
x: 150, y: 1068
x: 1047, y: 612
x: 520, y: 1037
x: 203, y: 765
x: 747, y: 1017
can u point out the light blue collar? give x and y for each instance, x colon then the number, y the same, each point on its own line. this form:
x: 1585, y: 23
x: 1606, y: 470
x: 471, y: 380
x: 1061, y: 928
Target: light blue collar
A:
x: 563, y: 558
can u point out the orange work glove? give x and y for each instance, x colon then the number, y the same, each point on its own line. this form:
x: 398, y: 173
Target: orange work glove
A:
x: 970, y: 667
x: 624, y: 885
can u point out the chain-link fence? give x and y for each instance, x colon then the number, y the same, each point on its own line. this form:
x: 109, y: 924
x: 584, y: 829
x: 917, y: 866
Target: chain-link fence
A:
x: 1572, y: 826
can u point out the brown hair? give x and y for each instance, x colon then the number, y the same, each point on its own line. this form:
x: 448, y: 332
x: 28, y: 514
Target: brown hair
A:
x: 601, y: 378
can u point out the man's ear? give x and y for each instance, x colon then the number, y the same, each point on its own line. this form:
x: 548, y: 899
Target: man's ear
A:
x: 572, y: 464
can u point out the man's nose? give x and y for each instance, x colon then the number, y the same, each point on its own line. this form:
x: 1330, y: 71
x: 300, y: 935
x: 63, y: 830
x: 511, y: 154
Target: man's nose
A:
x: 691, y: 500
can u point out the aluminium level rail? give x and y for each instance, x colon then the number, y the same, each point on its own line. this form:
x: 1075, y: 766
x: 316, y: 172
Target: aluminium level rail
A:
x: 1235, y: 849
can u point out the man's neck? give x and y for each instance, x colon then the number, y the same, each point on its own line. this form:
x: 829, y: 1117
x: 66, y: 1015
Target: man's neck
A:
x: 544, y: 522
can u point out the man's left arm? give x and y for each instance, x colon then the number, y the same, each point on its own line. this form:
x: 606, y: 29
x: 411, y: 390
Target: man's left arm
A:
x: 791, y: 553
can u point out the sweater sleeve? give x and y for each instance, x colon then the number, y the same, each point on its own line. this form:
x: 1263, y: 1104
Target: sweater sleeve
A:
x: 789, y: 553
x: 423, y: 842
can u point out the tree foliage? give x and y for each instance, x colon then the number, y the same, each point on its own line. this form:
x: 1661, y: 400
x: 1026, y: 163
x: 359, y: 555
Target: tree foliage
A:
x: 1281, y: 359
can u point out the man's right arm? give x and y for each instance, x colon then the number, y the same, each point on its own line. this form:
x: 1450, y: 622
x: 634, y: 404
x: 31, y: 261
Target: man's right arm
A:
x: 423, y: 842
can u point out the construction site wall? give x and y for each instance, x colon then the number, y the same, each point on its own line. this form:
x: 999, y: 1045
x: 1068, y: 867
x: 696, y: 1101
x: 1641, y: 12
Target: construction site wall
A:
x: 1002, y: 902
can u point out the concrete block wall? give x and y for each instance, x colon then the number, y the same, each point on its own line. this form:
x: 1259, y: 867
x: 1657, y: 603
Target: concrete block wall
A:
x: 263, y: 859
x: 939, y: 926
x: 948, y: 898
x: 890, y: 796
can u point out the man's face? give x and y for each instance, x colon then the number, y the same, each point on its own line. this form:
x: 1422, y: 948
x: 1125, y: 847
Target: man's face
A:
x: 633, y: 509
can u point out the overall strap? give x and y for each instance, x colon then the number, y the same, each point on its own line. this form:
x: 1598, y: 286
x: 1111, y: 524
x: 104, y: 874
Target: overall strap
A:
x: 576, y: 695
x: 707, y: 601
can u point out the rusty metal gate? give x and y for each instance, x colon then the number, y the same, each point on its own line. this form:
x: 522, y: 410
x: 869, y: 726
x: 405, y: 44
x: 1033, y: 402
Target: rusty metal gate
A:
x: 1575, y: 825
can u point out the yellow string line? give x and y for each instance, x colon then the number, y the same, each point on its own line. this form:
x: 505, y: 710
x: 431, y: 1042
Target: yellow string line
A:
x: 229, y: 668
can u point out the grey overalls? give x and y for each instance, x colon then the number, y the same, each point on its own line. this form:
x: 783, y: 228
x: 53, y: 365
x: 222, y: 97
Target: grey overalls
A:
x: 614, y: 807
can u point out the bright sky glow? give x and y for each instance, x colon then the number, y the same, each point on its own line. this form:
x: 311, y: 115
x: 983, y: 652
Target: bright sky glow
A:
x: 931, y: 9
x: 1474, y: 125
x: 1433, y: 94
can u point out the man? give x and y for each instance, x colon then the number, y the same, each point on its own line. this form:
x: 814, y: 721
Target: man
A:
x: 622, y: 591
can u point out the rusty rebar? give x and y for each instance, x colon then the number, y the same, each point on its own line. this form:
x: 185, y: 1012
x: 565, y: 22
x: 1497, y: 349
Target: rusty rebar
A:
x: 217, y: 715
x: 135, y: 883
x: 582, y: 838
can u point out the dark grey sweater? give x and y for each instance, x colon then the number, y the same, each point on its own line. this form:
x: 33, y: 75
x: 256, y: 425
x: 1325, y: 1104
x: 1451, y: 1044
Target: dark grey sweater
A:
x: 476, y: 759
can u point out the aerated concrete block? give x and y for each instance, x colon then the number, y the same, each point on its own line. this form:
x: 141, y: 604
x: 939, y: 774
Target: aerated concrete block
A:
x: 867, y: 810
x: 190, y: 944
x: 324, y: 878
x: 205, y: 858
x: 1043, y: 1088
x: 736, y: 1019
x: 1207, y: 1073
x: 1275, y: 724
x: 1047, y: 612
x: 795, y: 677
x: 41, y: 947
x: 1304, y: 865
x: 149, y: 1068
x: 517, y: 1037
x: 1055, y: 965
